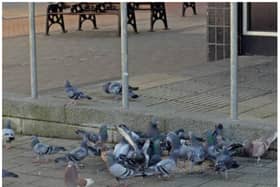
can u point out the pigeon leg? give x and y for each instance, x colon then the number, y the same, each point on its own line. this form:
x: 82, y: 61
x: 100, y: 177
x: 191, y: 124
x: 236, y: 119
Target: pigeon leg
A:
x: 7, y: 146
x: 36, y: 160
x: 258, y: 161
x: 191, y: 168
x: 226, y: 174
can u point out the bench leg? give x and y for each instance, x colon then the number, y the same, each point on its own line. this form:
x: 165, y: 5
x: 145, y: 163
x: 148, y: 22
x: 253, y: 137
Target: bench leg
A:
x: 187, y: 5
x: 158, y: 13
x: 54, y: 16
x: 83, y: 18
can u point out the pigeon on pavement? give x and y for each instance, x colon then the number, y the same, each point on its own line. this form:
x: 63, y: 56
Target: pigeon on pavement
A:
x: 165, y: 167
x: 72, y: 178
x: 102, y: 136
x: 74, y: 94
x: 224, y: 162
x: 76, y: 155
x: 115, y: 88
x: 117, y: 170
x: 258, y: 147
x: 8, y: 134
x: 6, y: 173
x: 41, y: 149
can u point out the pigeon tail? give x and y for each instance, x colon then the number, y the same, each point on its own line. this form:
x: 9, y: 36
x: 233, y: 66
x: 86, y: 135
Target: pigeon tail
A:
x: 61, y: 159
x: 271, y: 139
x: 6, y: 173
x: 54, y: 150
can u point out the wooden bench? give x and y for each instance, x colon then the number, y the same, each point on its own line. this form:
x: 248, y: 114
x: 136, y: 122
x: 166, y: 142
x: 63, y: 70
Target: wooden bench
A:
x: 88, y: 11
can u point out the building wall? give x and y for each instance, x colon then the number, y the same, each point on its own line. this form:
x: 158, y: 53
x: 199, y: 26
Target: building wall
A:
x: 218, y: 31
x: 218, y: 34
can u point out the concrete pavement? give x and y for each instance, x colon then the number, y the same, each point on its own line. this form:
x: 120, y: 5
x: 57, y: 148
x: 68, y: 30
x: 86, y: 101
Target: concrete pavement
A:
x: 19, y: 158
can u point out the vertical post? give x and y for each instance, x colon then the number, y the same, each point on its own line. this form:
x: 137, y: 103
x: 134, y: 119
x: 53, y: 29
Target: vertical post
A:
x: 233, y: 62
x: 32, y: 47
x: 124, y: 52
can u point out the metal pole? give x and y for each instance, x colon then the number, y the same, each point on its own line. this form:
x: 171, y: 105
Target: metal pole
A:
x: 233, y: 62
x: 124, y: 52
x: 32, y: 47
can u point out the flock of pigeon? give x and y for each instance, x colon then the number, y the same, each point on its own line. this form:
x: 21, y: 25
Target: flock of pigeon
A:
x: 144, y: 154
x: 112, y: 88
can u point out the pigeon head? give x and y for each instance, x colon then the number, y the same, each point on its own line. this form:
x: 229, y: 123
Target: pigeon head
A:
x: 103, y: 132
x: 67, y: 84
x: 154, y: 122
x: 70, y: 164
x: 173, y: 140
x: 180, y: 133
x: 106, y: 87
x: 34, y: 141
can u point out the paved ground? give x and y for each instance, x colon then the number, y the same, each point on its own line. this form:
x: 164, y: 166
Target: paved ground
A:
x: 175, y: 77
x: 19, y: 158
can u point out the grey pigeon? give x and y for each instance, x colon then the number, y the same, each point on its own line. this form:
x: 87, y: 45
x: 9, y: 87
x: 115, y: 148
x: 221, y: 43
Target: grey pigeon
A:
x: 118, y: 170
x: 8, y: 134
x: 72, y: 178
x: 74, y: 93
x: 101, y: 137
x: 6, y: 173
x: 195, y: 152
x: 258, y: 147
x: 165, y: 167
x: 122, y: 148
x: 41, y: 149
x: 115, y: 88
x: 224, y: 162
x: 128, y: 135
x: 153, y: 131
x: 76, y: 155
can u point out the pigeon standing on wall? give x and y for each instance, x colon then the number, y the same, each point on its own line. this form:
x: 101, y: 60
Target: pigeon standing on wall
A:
x: 42, y: 150
x: 115, y: 88
x: 72, y: 178
x: 8, y: 134
x: 74, y: 94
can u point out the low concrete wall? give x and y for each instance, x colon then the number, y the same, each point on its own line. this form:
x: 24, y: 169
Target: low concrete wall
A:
x: 52, y: 118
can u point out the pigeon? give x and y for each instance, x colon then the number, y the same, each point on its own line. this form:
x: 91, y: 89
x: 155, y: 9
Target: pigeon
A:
x: 153, y: 131
x: 258, y: 147
x: 115, y: 88
x: 74, y: 94
x: 101, y: 137
x: 122, y: 148
x: 117, y: 170
x: 8, y: 134
x: 165, y: 167
x: 76, y: 155
x: 130, y: 136
x: 41, y: 149
x: 6, y: 173
x: 195, y: 152
x: 224, y: 162
x: 72, y: 178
